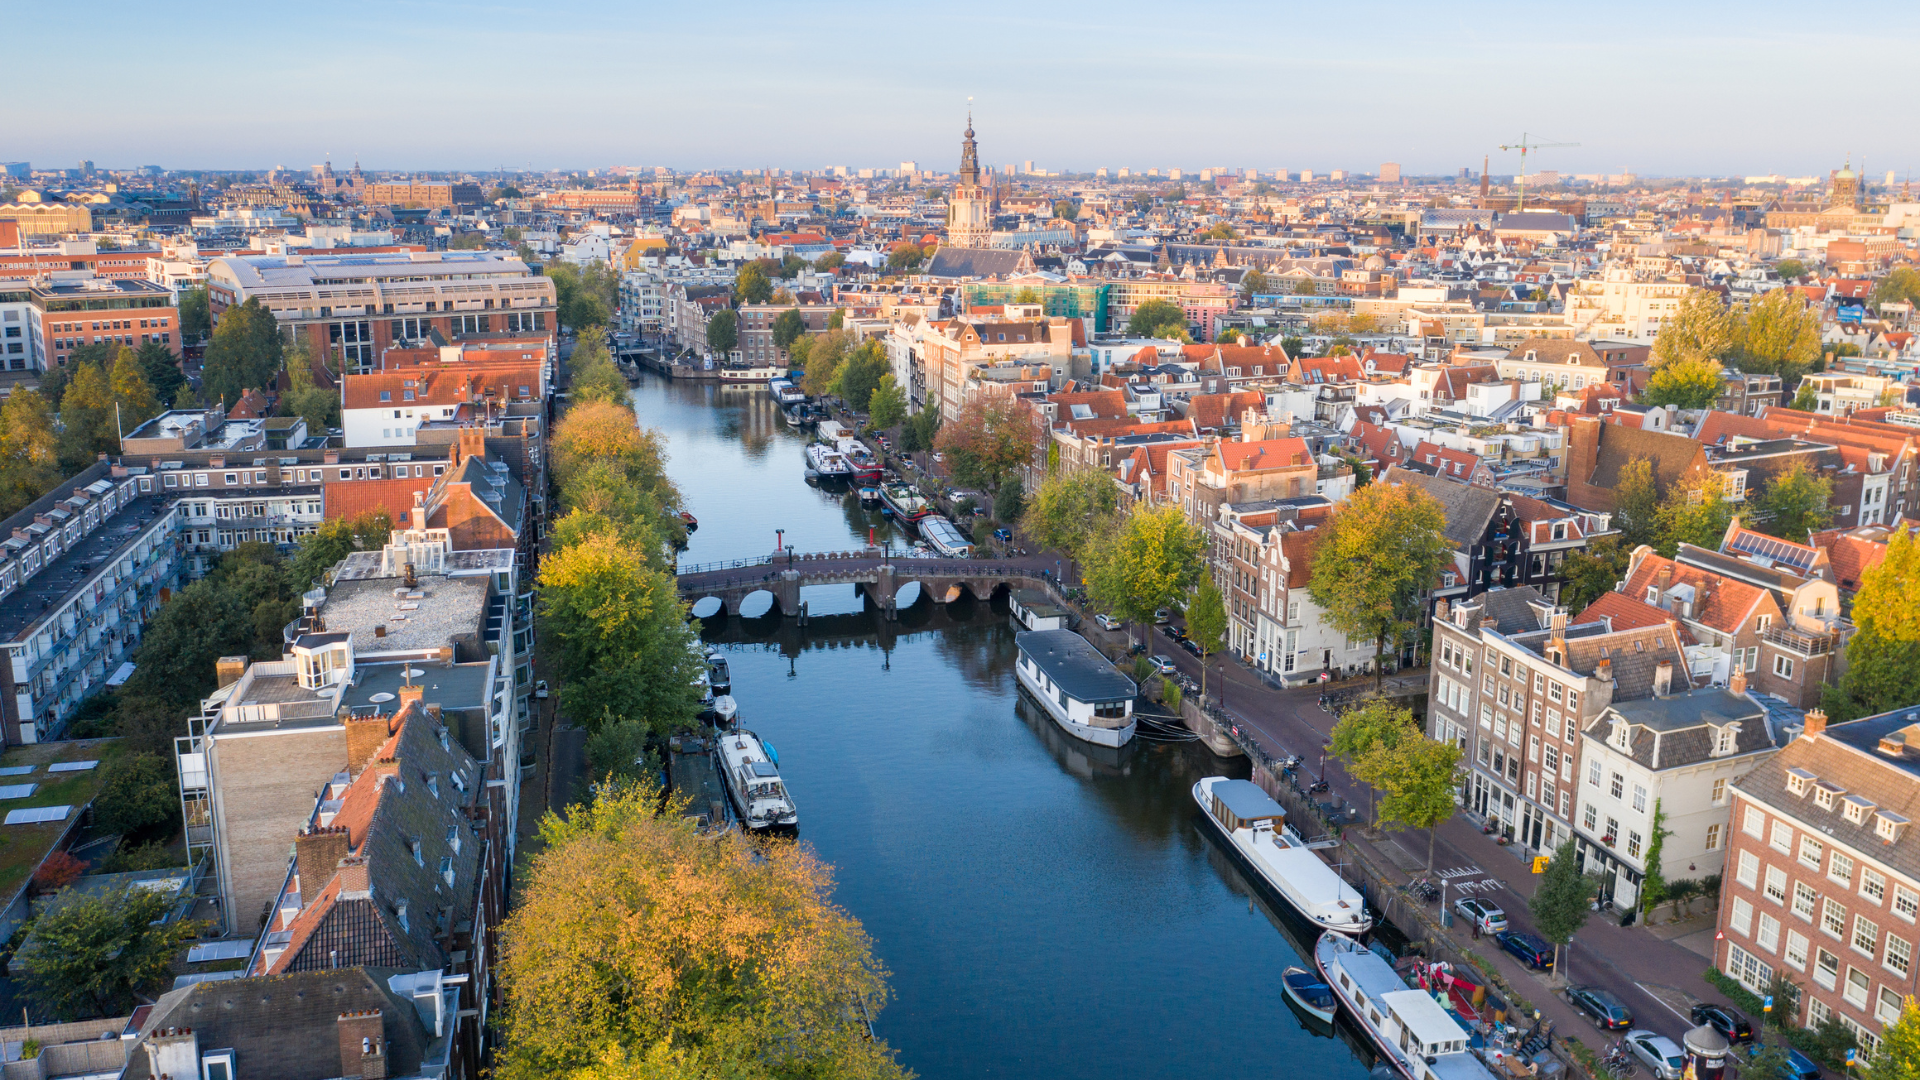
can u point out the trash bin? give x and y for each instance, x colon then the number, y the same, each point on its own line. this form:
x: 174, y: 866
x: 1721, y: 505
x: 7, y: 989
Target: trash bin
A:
x: 1446, y: 917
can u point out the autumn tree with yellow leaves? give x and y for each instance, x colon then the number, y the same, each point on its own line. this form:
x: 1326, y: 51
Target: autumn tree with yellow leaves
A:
x: 644, y: 948
x: 1380, y: 555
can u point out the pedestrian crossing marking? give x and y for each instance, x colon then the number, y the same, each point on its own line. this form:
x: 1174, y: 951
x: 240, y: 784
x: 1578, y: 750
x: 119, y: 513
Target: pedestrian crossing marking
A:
x: 1461, y: 871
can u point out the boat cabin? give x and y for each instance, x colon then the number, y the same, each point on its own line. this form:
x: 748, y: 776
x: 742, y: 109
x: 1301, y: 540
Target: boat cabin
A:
x: 760, y: 780
x: 1033, y: 609
x: 945, y: 537
x: 1069, y: 674
x: 1240, y: 804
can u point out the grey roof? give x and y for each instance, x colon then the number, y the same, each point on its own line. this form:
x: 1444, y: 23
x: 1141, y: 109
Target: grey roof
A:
x: 1671, y: 732
x: 1469, y: 509
x: 953, y: 262
x: 1246, y: 801
x: 1073, y: 664
x: 452, y: 608
x: 1847, y: 756
x: 1537, y: 220
x: 1515, y: 610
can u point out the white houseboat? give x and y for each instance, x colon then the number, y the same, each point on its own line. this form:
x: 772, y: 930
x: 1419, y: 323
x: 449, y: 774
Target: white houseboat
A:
x: 944, y: 537
x: 741, y: 376
x: 1256, y: 827
x: 1418, y: 1037
x: 1085, y: 695
x: 1033, y: 609
x: 753, y: 781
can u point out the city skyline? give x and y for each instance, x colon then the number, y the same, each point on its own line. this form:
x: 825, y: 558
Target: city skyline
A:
x: 590, y: 85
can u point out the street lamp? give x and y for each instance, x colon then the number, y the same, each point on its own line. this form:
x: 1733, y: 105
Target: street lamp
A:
x: 789, y: 556
x: 777, y: 538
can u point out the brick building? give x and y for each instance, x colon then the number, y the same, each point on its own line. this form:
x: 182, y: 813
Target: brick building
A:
x: 756, y: 345
x: 116, y: 311
x: 432, y: 194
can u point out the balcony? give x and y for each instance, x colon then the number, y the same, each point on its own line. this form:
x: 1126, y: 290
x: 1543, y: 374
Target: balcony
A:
x: 1798, y: 642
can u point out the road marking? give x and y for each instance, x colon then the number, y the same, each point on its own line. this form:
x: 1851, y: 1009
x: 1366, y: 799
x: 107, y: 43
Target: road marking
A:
x: 1460, y: 871
x: 1663, y: 1001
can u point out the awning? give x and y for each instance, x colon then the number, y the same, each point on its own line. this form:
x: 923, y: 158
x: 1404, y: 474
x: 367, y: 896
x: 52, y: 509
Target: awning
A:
x: 121, y: 674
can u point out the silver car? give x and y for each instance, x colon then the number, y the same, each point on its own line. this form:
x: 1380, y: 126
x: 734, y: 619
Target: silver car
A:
x: 1658, y: 1053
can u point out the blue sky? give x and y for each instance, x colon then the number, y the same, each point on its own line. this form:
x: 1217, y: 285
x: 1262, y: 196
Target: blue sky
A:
x: 1674, y: 88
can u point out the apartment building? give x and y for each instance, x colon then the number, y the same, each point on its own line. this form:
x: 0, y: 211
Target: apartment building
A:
x: 1622, y: 305
x: 951, y: 352
x: 82, y: 568
x: 431, y: 194
x: 1203, y: 479
x: 71, y: 310
x: 352, y: 307
x: 388, y: 408
x: 66, y: 256
x: 1825, y: 879
x: 1500, y: 539
x: 19, y: 345
x: 756, y: 329
x: 1204, y: 302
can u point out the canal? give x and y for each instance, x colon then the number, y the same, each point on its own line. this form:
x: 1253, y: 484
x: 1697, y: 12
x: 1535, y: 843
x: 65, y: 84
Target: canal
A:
x: 1046, y: 908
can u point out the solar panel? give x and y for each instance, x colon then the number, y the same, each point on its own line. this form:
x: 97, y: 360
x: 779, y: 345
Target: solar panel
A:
x: 219, y: 950
x: 17, y: 770
x: 71, y: 766
x: 1780, y: 551
x: 17, y: 791
x: 35, y: 815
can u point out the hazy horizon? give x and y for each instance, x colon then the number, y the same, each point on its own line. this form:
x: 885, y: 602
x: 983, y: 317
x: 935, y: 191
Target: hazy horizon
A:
x: 422, y: 85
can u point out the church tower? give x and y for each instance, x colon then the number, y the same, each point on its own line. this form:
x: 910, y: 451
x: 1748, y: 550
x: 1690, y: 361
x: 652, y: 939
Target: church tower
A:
x: 969, y: 221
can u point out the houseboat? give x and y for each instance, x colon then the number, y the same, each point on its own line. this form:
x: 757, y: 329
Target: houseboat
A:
x: 1256, y: 828
x: 753, y: 782
x: 865, y: 467
x: 904, y: 502
x: 785, y: 392
x: 1033, y: 609
x: 1415, y: 1034
x: 825, y: 462
x: 944, y: 537
x: 732, y: 375
x: 1087, y: 696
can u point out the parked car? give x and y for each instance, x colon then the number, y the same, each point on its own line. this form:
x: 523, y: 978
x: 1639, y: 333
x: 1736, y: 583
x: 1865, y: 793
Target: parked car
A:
x: 1730, y: 1024
x: 1608, y: 1012
x: 1106, y: 622
x: 1162, y: 664
x: 1477, y: 912
x: 1658, y: 1053
x: 1799, y: 1065
x: 1531, y: 949
x: 1161, y: 615
x: 1005, y: 536
x: 1187, y: 644
x: 1173, y: 632
x: 540, y: 689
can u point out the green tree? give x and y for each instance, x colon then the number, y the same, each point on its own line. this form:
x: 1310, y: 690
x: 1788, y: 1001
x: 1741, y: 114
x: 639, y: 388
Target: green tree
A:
x: 1805, y: 399
x: 1027, y: 296
x: 860, y: 375
x: 1702, y: 329
x: 832, y: 260
x: 1157, y: 319
x: 1695, y: 511
x: 1898, y: 1055
x: 752, y: 285
x: 1902, y: 284
x: 86, y: 417
x: 1252, y: 282
x: 990, y: 439
x: 245, y: 352
x: 138, y: 797
x: 1306, y: 286
x: 1653, y: 887
x: 1150, y: 561
x: 723, y: 332
x: 1794, y: 503
x: 1010, y: 501
x: 1207, y: 624
x: 1592, y: 572
x: 1790, y: 269
x: 162, y: 369
x: 624, y: 639
x: 1636, y: 503
x: 334, y: 540
x: 788, y: 328
x: 1780, y: 336
x: 1687, y: 383
x: 1562, y: 901
x: 791, y: 266
x: 920, y: 430
x: 131, y: 392
x: 1419, y: 782
x: 1222, y: 231
x: 888, y: 405
x: 91, y: 954
x: 1380, y: 554
x: 1065, y: 209
x: 1364, y: 740
x: 1072, y: 509
x: 29, y: 450
x: 593, y: 376
x: 195, y: 317
x: 1883, y: 656
x: 822, y: 360
x: 906, y: 257
x: 646, y: 948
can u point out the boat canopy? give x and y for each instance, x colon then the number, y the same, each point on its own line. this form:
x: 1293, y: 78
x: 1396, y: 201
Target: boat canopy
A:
x: 1426, y: 1021
x: 1240, y: 803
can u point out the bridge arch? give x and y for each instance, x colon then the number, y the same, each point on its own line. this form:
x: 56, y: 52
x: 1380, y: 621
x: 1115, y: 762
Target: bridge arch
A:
x: 760, y: 604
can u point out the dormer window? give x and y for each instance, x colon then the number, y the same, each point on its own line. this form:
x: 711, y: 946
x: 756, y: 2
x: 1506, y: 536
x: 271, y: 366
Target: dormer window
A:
x: 1725, y: 738
x: 1622, y: 735
x: 1888, y: 825
x: 1798, y: 781
x: 1824, y: 794
x: 1855, y: 808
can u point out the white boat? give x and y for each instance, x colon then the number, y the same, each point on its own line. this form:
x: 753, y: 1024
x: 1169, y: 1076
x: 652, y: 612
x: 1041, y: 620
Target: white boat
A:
x: 827, y: 463
x: 1087, y: 696
x: 1415, y: 1034
x: 756, y: 374
x: 753, y: 781
x: 944, y: 537
x: 785, y: 392
x: 1256, y: 826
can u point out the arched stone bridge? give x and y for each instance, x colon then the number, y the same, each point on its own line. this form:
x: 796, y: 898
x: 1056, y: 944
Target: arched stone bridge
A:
x: 880, y: 576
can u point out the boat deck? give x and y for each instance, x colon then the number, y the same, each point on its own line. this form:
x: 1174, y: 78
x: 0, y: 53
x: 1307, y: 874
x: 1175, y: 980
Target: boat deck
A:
x: 690, y: 770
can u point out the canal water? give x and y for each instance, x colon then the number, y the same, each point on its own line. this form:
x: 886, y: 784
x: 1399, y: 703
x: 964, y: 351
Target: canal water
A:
x: 1047, y: 908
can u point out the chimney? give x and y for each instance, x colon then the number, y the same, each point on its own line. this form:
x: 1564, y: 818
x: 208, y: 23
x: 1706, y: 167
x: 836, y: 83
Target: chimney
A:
x: 330, y: 457
x: 1663, y: 678
x: 1661, y: 581
x: 411, y: 693
x: 173, y: 1052
x: 1816, y: 722
x: 317, y: 854
x: 365, y: 734
x: 1440, y: 610
x: 1603, y: 671
x: 363, y: 1037
x: 228, y: 669
x: 354, y: 884
x: 1737, y: 683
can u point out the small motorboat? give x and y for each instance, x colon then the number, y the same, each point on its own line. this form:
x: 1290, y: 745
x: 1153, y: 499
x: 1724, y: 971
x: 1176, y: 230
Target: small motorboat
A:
x: 719, y: 675
x: 869, y: 495
x: 692, y: 523
x: 1309, y: 993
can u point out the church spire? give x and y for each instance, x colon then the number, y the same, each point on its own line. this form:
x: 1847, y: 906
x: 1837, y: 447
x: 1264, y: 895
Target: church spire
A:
x: 969, y: 155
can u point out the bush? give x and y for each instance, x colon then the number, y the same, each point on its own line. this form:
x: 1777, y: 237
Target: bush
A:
x: 129, y: 859
x: 1170, y: 693
x: 56, y: 872
x: 1142, y: 670
x: 137, y: 797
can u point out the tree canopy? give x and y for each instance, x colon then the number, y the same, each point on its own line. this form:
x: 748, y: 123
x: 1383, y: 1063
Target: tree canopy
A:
x: 1071, y: 509
x: 584, y: 295
x: 1793, y: 503
x: 1379, y: 555
x: 90, y: 954
x: 1150, y: 560
x: 788, y: 328
x: 1562, y: 900
x: 1883, y: 656
x: 888, y: 405
x: 195, y: 320
x: 1901, y: 284
x: 991, y: 438
x: 245, y: 352
x: 1207, y: 624
x: 1702, y: 329
x: 753, y: 285
x: 860, y: 374
x: 1691, y: 382
x: 1780, y: 335
x: 1158, y: 319
x: 723, y: 331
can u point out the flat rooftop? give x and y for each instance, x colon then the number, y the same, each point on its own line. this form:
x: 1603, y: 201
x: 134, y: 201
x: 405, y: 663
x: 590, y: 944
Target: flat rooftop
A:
x: 62, y: 579
x: 437, y: 610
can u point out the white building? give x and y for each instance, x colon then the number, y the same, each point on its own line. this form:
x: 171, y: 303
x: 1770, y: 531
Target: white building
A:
x: 1622, y: 306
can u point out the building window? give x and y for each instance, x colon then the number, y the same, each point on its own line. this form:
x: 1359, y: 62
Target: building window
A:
x: 1866, y: 934
x: 1593, y: 815
x: 1899, y: 955
x: 1826, y: 970
x: 1783, y: 666
x: 1782, y: 840
x: 1713, y: 837
x: 1803, y: 900
x: 1859, y: 988
x: 1873, y: 885
x: 1776, y: 885
x: 1811, y: 851
x: 1796, y: 951
x: 1633, y: 844
x: 1593, y: 773
x: 1617, y: 786
x: 1840, y: 868
x: 1719, y: 790
x: 1639, y: 799
x: 1833, y: 918
x: 1741, y: 919
x: 1756, y: 823
x: 1768, y: 936
x: 1748, y: 969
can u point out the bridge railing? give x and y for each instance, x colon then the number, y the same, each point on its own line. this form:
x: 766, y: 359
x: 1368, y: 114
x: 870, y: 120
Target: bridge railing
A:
x: 728, y: 564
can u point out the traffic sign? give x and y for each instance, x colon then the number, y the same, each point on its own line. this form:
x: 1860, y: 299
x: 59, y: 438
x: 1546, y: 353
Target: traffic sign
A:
x: 1768, y: 1005
x: 1540, y: 863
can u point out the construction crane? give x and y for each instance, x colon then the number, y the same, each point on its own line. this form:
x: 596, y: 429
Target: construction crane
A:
x: 1526, y: 147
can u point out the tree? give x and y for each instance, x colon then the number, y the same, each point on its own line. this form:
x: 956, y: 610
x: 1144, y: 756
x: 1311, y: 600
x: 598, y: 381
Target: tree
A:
x: 791, y: 266
x: 86, y: 418
x: 1157, y: 319
x: 1687, y: 383
x: 162, y: 370
x: 245, y: 352
x: 29, y: 449
x: 1306, y: 286
x: 1207, y: 624
x: 584, y: 295
x: 1562, y: 901
x: 1805, y: 399
x: 1695, y: 511
x: 1065, y: 209
x: 131, y: 392
x: 1223, y: 231
x: 906, y: 257
x: 624, y: 641
x: 1365, y: 738
x: 1252, y: 283
x: 1027, y: 296
x: 821, y: 359
x: 1071, y: 509
x: 989, y: 440
x: 888, y: 405
x: 1780, y: 336
x: 752, y: 285
x: 1420, y: 779
x: 593, y: 376
x: 90, y: 954
x: 1702, y: 329
x: 788, y: 328
x: 1149, y: 561
x: 1794, y: 503
x: 1898, y: 1055
x: 920, y: 430
x: 860, y: 375
x: 1902, y: 284
x: 195, y: 317
x: 1592, y: 572
x: 646, y: 948
x: 1379, y: 555
x: 1636, y: 503
x: 1653, y: 887
x: 723, y: 332
x: 1790, y: 269
x: 1883, y: 656
x: 832, y: 260
x: 138, y: 797
x: 1009, y: 501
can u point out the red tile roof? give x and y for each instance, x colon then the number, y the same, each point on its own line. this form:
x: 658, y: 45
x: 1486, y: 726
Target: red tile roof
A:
x: 351, y: 498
